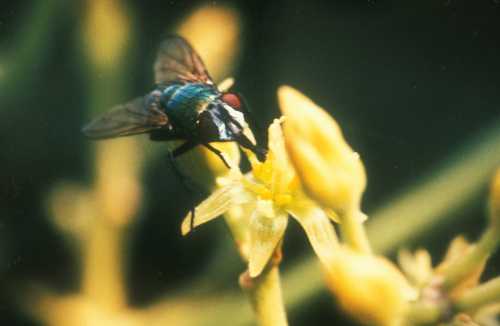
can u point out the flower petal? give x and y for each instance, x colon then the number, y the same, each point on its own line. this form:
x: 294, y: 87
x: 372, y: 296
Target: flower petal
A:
x: 458, y: 248
x: 238, y: 220
x: 332, y: 215
x: 416, y: 266
x: 318, y: 228
x: 266, y: 230
x: 218, y: 203
x: 283, y: 172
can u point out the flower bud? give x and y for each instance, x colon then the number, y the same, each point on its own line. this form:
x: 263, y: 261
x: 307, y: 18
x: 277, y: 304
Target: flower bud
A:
x: 330, y: 171
x: 369, y: 288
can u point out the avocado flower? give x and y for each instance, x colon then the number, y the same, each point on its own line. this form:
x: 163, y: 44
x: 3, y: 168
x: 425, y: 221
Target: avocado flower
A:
x: 264, y: 198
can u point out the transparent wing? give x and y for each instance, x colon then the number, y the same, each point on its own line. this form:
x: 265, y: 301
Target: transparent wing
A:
x: 177, y: 61
x: 135, y: 117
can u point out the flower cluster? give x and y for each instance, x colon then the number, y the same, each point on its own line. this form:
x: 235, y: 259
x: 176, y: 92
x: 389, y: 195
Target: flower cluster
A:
x: 314, y: 176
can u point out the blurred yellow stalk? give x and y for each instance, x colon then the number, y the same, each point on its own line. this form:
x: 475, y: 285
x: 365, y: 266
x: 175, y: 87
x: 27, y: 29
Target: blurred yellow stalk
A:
x: 113, y: 200
x: 97, y: 219
x: 106, y: 31
x: 117, y: 197
x: 214, y: 31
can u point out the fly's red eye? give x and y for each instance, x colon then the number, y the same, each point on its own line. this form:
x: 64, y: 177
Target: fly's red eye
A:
x: 232, y: 99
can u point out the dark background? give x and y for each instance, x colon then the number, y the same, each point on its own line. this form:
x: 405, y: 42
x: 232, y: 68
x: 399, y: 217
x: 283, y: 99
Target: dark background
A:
x: 408, y: 81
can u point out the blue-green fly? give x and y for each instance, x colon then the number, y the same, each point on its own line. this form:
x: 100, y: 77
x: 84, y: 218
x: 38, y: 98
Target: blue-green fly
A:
x: 184, y: 105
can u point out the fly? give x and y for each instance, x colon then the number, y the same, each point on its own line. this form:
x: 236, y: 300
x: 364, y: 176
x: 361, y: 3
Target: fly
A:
x: 184, y: 105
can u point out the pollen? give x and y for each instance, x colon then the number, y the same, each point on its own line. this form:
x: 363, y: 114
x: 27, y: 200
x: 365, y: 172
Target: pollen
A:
x: 258, y: 189
x: 283, y: 199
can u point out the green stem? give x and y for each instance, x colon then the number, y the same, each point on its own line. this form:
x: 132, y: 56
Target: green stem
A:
x: 354, y: 234
x: 435, y: 200
x: 103, y: 269
x: 265, y: 295
x: 423, y: 314
x: 481, y: 295
x: 465, y: 265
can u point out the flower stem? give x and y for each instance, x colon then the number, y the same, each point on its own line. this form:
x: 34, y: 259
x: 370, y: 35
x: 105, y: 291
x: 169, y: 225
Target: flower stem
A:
x: 265, y: 295
x: 103, y: 276
x: 464, y: 266
x: 423, y: 314
x: 481, y: 295
x: 354, y: 233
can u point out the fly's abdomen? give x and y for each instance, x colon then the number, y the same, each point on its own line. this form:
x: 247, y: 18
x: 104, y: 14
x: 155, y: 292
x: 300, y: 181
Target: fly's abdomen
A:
x: 183, y: 103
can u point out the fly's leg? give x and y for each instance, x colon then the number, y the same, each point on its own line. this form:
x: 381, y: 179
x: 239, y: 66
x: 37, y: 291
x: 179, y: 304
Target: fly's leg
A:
x: 254, y: 125
x: 218, y: 153
x: 185, y: 180
x: 260, y: 152
x: 187, y: 146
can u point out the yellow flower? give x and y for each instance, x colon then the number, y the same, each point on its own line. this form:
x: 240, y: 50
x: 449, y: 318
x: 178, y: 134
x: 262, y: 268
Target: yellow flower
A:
x: 330, y: 171
x: 260, y: 202
x: 369, y: 288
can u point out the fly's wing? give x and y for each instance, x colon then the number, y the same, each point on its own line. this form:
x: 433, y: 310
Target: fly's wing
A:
x: 177, y: 61
x: 135, y: 117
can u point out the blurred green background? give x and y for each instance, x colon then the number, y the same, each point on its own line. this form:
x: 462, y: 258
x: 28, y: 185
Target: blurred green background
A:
x: 410, y: 82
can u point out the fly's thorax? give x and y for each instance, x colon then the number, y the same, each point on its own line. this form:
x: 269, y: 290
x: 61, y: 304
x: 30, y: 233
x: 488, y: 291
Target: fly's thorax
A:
x: 167, y: 92
x: 184, y: 102
x: 192, y: 95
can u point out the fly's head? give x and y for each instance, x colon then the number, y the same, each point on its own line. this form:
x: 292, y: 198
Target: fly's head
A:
x: 224, y: 120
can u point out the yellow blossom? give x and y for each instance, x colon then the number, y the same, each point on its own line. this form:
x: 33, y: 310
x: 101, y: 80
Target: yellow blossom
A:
x: 331, y: 172
x: 263, y: 199
x: 369, y: 288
